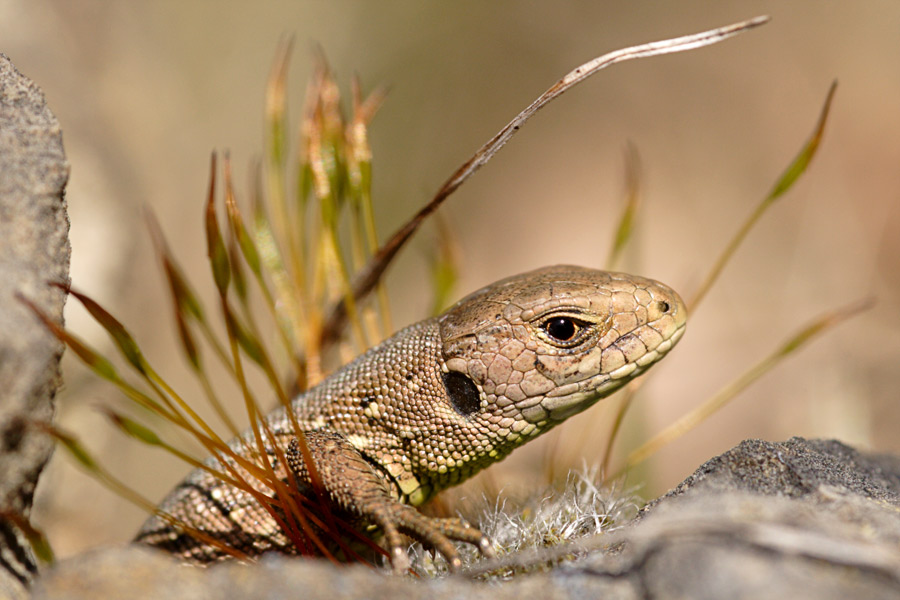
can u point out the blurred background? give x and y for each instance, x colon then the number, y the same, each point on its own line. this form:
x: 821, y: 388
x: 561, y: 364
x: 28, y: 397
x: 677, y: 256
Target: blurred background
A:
x: 146, y: 90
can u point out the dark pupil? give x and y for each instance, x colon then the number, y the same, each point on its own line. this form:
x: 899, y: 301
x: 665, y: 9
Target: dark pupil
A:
x: 561, y: 328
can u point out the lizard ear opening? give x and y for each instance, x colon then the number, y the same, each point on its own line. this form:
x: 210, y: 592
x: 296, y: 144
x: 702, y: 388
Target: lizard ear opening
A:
x: 463, y: 394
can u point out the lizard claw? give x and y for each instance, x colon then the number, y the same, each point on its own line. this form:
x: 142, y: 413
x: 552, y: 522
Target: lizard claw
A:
x: 437, y: 533
x: 399, y: 560
x: 486, y: 547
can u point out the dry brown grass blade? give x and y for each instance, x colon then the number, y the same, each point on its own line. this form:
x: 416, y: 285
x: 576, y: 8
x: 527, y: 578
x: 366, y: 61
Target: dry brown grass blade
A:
x: 371, y: 274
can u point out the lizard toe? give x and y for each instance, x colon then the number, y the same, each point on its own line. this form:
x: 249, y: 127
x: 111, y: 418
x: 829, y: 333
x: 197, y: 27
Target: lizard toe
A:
x: 399, y: 560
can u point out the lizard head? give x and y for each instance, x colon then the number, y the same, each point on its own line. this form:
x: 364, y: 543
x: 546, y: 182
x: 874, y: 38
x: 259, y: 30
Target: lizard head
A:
x: 527, y: 352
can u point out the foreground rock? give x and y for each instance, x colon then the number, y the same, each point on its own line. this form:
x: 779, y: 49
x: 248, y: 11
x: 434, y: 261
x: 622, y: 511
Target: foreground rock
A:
x: 798, y: 519
x: 34, y: 249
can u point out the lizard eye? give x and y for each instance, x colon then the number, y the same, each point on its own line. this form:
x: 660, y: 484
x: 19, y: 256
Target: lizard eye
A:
x: 562, y: 329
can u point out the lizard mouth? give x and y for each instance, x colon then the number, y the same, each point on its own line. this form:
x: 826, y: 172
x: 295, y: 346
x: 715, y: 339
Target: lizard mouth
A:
x: 567, y: 400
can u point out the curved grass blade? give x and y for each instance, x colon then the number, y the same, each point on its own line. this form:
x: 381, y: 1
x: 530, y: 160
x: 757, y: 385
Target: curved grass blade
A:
x: 359, y: 175
x: 276, y: 143
x: 122, y: 338
x: 186, y: 303
x: 629, y: 212
x: 146, y: 435
x: 94, y: 360
x: 366, y: 279
x: 129, y: 348
x: 790, y: 176
x: 290, y: 307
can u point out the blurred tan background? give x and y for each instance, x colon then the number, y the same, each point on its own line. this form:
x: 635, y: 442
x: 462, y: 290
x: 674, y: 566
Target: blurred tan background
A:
x: 145, y: 90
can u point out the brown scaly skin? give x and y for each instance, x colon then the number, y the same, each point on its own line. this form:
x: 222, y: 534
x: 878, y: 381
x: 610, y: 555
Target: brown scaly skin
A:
x: 438, y: 402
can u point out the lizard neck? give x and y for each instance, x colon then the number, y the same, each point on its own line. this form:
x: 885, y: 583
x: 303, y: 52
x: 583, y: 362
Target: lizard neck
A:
x: 391, y: 403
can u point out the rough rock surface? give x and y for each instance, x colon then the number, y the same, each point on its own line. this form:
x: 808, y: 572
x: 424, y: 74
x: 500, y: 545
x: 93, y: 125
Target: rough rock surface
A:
x: 812, y: 470
x: 797, y: 519
x: 34, y: 249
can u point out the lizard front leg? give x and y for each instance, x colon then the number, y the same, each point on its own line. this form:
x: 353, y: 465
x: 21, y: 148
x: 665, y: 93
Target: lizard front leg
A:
x: 354, y: 485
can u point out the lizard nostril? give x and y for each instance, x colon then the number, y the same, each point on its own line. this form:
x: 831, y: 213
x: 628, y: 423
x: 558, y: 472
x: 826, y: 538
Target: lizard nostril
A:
x: 664, y: 306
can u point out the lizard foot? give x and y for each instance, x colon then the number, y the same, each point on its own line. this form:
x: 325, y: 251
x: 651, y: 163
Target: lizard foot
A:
x: 437, y: 533
x: 354, y: 485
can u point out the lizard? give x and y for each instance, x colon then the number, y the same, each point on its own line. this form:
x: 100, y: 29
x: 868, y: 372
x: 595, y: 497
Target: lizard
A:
x: 434, y: 404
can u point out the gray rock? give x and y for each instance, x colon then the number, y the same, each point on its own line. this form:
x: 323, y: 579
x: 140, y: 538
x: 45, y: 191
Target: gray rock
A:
x: 34, y: 249
x: 798, y: 519
x: 798, y: 468
x: 743, y: 545
x: 145, y: 574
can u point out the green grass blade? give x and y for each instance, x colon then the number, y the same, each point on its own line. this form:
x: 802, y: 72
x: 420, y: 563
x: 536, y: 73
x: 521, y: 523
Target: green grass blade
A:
x: 183, y: 296
x: 444, y: 268
x: 289, y: 304
x: 147, y: 436
x: 806, y: 154
x: 629, y: 212
x: 218, y: 256
x: 122, y: 338
x: 701, y: 413
x: 237, y: 273
x: 185, y: 302
x: 790, y: 176
x: 248, y: 343
x: 36, y: 538
x: 276, y: 138
x: 90, y: 357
